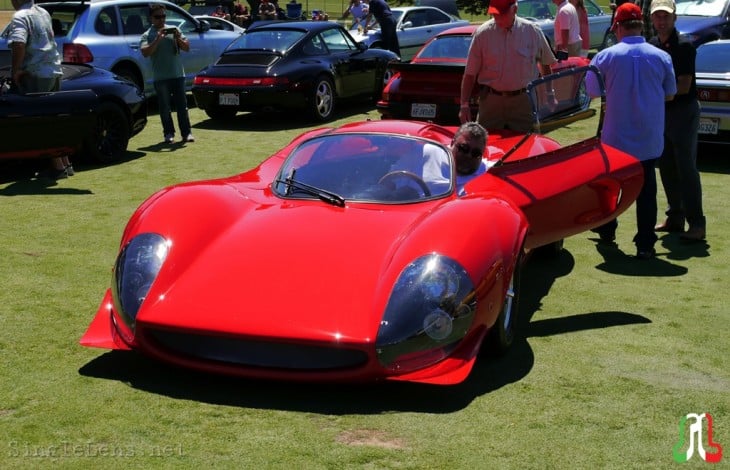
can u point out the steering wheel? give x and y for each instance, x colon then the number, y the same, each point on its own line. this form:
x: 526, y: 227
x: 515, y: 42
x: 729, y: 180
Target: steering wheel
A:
x: 406, y: 174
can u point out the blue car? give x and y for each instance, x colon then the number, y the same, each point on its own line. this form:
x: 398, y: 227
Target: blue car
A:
x: 713, y: 90
x: 702, y: 21
x: 106, y: 34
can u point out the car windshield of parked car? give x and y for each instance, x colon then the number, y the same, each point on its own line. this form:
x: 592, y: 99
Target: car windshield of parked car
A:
x: 373, y: 168
x: 701, y: 7
x: 536, y: 9
x: 267, y: 39
x: 713, y: 58
x: 450, y: 47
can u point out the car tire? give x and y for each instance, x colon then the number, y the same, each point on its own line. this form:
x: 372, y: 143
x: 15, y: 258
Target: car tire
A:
x: 109, y: 140
x: 502, y: 333
x: 218, y: 113
x: 322, y: 99
x: 128, y: 73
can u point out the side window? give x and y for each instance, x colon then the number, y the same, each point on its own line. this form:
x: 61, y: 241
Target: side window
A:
x: 183, y: 23
x: 135, y: 20
x: 106, y: 22
x: 436, y: 17
x: 314, y: 46
x: 337, y: 42
x: 592, y: 9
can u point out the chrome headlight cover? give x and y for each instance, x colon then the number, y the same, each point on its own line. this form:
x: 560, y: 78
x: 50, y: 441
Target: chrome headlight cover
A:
x: 136, y: 269
x: 429, y: 311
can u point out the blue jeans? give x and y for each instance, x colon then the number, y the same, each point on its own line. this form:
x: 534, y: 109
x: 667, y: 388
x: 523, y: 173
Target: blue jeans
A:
x: 173, y: 88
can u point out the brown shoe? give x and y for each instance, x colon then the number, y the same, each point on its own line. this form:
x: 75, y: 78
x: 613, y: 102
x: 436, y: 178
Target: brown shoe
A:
x: 693, y: 234
x: 670, y: 225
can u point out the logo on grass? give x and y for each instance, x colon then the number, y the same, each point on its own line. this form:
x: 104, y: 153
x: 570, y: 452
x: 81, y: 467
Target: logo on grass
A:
x: 695, y: 433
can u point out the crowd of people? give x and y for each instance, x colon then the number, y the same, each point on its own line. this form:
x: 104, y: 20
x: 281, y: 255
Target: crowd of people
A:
x: 649, y: 76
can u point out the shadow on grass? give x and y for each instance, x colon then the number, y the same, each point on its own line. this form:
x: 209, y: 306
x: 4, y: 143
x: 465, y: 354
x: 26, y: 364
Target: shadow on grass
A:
x: 21, y: 176
x: 712, y: 158
x: 280, y: 121
x: 616, y: 261
x: 489, y: 373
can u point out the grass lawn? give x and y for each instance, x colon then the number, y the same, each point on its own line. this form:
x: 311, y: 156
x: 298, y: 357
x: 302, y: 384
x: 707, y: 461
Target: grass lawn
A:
x: 612, y: 351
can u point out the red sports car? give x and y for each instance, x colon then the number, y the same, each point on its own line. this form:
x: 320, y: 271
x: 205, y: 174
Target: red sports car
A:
x: 429, y: 86
x: 352, y: 255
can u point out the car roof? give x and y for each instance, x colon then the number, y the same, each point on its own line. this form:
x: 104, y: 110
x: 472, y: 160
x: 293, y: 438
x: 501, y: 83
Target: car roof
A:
x: 459, y: 30
x: 302, y: 25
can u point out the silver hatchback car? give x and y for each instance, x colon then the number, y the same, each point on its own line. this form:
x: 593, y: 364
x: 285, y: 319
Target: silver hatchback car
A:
x: 106, y: 34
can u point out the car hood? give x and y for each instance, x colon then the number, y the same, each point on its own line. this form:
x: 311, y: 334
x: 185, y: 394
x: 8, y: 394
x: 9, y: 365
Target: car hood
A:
x: 298, y: 270
x: 693, y: 24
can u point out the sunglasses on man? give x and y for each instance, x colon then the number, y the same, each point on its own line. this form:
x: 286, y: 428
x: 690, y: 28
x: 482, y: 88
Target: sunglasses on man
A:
x: 473, y: 151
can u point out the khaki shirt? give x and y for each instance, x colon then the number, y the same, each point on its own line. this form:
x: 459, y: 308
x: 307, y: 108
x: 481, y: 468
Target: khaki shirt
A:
x: 506, y: 60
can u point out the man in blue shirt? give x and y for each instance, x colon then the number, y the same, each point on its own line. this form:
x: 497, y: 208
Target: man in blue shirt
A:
x: 639, y: 78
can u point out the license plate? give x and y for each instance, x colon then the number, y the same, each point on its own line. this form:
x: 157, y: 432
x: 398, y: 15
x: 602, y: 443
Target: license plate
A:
x: 228, y: 99
x: 709, y: 126
x: 423, y: 110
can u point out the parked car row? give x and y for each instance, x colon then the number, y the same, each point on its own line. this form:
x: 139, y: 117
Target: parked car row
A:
x: 106, y: 33
x: 94, y: 115
x: 304, y: 65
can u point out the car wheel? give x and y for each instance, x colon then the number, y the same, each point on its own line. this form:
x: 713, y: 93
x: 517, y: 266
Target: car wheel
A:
x: 502, y: 333
x: 108, y: 143
x: 219, y: 113
x: 130, y: 74
x: 322, y: 101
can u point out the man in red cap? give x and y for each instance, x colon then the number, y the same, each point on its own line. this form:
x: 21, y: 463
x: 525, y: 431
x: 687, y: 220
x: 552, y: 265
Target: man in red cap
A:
x: 639, y: 78
x: 503, y: 60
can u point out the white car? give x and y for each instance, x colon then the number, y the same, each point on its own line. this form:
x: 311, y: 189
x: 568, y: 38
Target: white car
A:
x: 106, y: 34
x: 221, y: 24
x: 414, y: 26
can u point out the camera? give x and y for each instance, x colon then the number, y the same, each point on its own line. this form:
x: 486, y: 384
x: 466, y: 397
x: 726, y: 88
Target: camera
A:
x: 169, y: 30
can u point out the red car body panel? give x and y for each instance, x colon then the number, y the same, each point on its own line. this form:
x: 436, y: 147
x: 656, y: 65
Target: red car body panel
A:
x: 250, y: 273
x: 429, y: 79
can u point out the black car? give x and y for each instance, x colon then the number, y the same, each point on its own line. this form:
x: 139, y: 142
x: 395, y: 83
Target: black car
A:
x: 94, y: 115
x: 307, y: 65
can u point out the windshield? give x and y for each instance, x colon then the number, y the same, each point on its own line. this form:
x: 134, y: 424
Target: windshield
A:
x: 701, y: 7
x: 267, y: 39
x: 378, y: 168
x: 452, y: 47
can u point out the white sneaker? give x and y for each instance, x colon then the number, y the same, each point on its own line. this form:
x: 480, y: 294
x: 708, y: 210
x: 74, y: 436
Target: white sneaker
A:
x: 190, y: 138
x: 169, y: 138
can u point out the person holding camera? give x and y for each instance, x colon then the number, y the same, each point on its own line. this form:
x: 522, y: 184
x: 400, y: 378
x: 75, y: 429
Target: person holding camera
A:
x: 162, y: 44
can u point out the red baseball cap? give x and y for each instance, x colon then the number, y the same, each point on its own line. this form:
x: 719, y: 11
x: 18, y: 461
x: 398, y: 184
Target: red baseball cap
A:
x: 626, y: 12
x: 500, y: 7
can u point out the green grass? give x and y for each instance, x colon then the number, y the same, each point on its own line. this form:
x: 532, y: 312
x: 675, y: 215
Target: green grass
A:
x: 611, y: 353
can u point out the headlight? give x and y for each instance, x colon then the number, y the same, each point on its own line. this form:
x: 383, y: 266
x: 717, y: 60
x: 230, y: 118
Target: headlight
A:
x: 429, y: 311
x: 136, y: 269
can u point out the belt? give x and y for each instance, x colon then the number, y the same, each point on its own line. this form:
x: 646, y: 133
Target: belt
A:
x: 491, y: 90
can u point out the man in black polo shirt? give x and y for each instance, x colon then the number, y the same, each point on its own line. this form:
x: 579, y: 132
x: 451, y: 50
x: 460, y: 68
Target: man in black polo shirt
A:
x: 678, y: 163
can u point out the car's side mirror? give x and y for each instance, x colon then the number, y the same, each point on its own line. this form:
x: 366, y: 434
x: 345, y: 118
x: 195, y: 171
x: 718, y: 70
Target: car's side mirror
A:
x: 361, y: 46
x: 407, y: 24
x: 204, y: 26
